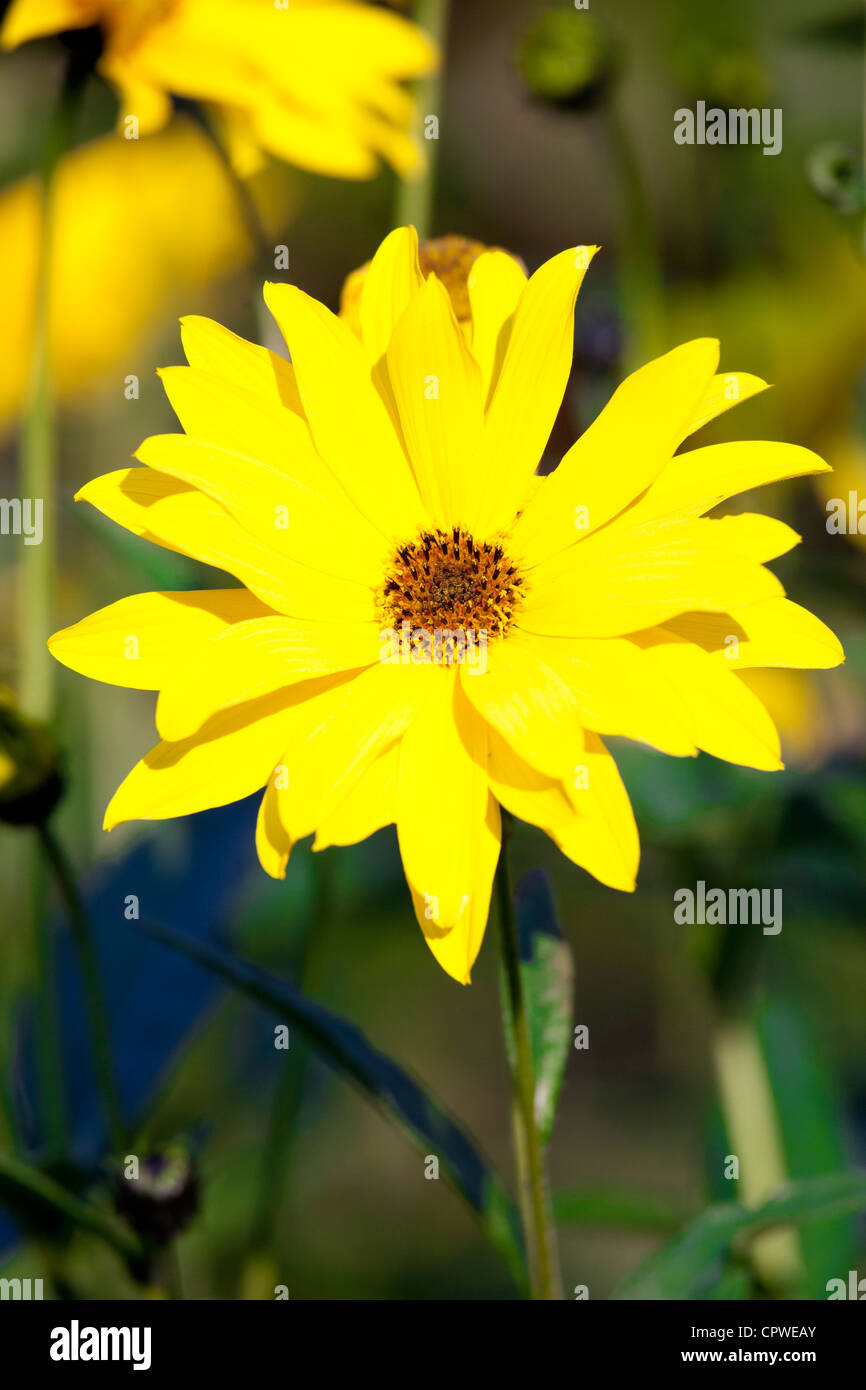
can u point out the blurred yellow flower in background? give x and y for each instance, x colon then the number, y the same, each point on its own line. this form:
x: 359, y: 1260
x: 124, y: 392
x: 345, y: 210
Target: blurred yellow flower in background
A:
x: 314, y: 82
x: 121, y: 259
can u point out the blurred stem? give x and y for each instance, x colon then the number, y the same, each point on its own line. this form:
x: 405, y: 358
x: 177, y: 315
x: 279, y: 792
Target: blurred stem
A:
x: 249, y: 208
x: 415, y: 196
x: 49, y: 1060
x: 38, y: 456
x: 37, y: 482
x: 100, y: 1036
x: 533, y: 1189
x: 640, y: 281
x: 755, y: 1137
x: 276, y: 1156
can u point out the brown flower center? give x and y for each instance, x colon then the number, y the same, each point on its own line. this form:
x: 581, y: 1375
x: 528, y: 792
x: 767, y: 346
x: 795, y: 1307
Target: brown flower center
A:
x: 445, y: 582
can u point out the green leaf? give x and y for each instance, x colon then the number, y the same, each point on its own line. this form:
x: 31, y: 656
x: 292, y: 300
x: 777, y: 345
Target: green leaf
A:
x: 693, y: 1263
x: 547, y: 975
x: 392, y: 1089
x: 612, y: 1208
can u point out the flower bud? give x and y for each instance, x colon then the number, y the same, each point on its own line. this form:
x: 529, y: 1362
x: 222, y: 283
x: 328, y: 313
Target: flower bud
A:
x: 567, y: 58
x: 450, y: 258
x: 158, y: 1194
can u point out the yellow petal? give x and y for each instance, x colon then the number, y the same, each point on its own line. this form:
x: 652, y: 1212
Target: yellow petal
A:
x: 726, y: 718
x: 214, y: 408
x: 725, y: 390
x: 231, y: 757
x: 622, y: 580
x: 588, y: 816
x: 437, y: 391
x: 217, y: 350
x: 392, y: 281
x: 761, y: 538
x: 603, y: 839
x: 370, y: 805
x: 173, y: 515
x: 528, y: 703
x: 531, y: 383
x: 139, y: 642
x: 775, y: 633
x: 621, y: 453
x: 442, y: 805
x: 456, y: 949
x: 693, y: 482
x: 603, y: 675
x: 348, y: 420
x: 254, y: 658
x: 284, y: 516
x: 332, y: 741
x: 495, y: 285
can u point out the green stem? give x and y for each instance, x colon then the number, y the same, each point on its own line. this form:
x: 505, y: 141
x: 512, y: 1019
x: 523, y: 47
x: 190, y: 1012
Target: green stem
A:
x: 49, y: 1055
x: 20, y: 1175
x: 38, y: 456
x: 37, y: 483
x: 415, y: 196
x: 100, y: 1036
x: 533, y: 1190
x: 641, y: 293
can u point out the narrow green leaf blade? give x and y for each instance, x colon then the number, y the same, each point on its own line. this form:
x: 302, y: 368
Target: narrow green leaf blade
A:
x: 693, y: 1263
x: 345, y: 1048
x: 548, y: 984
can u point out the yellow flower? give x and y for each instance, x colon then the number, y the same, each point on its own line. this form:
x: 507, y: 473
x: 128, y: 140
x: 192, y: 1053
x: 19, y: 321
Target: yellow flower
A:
x: 120, y: 258
x: 427, y: 630
x: 315, y: 82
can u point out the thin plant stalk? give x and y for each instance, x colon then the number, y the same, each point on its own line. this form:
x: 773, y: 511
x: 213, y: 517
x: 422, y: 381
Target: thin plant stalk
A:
x: 752, y: 1124
x: 533, y: 1187
x: 100, y: 1036
x: 415, y: 196
x: 37, y: 483
x: 640, y: 281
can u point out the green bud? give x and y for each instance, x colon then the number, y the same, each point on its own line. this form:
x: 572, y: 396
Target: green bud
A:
x: 567, y: 58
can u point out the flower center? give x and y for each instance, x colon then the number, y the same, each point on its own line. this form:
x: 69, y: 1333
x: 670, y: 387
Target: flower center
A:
x: 445, y: 582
